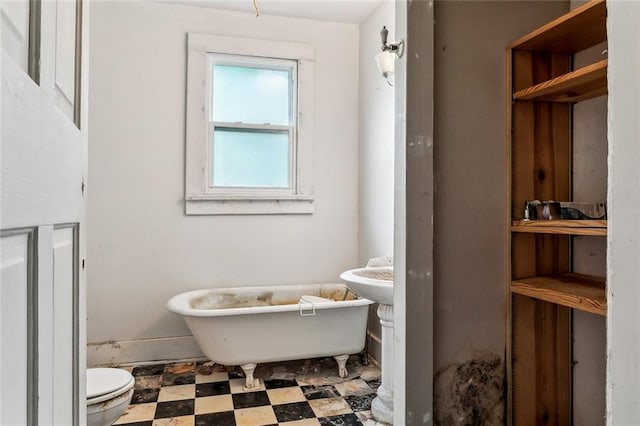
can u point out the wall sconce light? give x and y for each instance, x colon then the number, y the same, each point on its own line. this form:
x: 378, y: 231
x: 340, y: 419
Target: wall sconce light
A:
x: 387, y: 58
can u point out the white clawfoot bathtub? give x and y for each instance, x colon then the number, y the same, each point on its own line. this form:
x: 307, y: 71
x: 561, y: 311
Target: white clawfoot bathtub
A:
x: 248, y: 325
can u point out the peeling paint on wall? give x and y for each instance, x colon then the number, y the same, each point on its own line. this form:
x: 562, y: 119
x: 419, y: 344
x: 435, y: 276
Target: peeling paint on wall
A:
x: 471, y: 392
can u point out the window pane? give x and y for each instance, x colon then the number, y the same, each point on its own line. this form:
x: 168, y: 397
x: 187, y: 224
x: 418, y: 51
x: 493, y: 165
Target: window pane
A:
x: 250, y: 95
x: 254, y: 159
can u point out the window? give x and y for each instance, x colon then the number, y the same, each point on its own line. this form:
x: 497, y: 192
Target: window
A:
x: 249, y: 126
x: 252, y: 126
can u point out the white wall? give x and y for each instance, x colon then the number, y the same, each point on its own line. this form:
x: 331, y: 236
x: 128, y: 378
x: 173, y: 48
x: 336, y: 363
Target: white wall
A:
x: 376, y: 159
x: 375, y: 154
x: 623, y: 272
x: 142, y: 248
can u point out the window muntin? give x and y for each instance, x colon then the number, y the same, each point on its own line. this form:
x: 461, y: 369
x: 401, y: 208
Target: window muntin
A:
x: 252, y: 124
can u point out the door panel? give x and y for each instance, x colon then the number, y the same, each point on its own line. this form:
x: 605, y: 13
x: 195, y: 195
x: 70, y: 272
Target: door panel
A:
x: 65, y: 49
x: 57, y: 324
x: 14, y: 33
x: 58, y: 52
x: 14, y: 329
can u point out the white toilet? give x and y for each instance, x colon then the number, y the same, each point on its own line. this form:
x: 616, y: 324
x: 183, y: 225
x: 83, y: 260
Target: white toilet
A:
x: 109, y: 392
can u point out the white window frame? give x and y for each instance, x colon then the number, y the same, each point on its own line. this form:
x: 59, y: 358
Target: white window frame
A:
x: 260, y: 63
x: 201, y: 198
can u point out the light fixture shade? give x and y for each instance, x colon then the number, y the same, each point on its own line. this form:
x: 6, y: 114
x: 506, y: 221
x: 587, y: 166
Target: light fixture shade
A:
x: 386, y: 63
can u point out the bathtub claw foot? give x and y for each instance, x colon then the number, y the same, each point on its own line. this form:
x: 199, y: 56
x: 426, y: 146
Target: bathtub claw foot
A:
x: 250, y: 381
x: 342, y: 365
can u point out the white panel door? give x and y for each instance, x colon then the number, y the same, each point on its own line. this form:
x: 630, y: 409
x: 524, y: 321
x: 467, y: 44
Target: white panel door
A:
x: 42, y: 186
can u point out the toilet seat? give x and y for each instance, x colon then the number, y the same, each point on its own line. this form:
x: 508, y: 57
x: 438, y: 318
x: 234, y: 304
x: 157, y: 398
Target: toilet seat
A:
x: 106, y: 383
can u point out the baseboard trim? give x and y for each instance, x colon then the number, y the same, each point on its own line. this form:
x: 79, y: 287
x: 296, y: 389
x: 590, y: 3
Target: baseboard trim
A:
x: 167, y: 349
x: 147, y: 351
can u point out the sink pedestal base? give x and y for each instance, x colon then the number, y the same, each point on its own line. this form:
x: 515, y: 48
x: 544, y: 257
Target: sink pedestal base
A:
x: 382, y: 405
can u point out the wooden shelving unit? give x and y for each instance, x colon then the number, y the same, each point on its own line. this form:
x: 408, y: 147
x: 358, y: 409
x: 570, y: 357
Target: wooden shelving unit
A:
x: 541, y: 287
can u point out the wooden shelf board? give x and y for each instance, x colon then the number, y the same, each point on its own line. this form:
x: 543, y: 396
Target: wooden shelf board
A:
x: 581, y: 84
x: 562, y: 227
x: 575, y: 291
x: 580, y: 28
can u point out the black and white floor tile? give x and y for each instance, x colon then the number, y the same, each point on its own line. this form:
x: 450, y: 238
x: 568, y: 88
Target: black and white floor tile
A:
x: 297, y: 393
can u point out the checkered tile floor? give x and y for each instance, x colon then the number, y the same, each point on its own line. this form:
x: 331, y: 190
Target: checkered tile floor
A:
x: 200, y: 394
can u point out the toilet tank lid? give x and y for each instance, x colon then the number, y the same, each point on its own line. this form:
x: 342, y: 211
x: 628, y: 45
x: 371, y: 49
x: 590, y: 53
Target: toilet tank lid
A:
x: 101, y: 381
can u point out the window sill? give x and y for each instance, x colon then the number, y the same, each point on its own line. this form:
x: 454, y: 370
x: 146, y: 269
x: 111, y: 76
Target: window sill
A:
x: 217, y: 205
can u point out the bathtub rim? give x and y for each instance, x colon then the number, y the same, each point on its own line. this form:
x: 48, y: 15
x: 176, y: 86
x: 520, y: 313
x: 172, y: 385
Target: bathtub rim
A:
x: 179, y: 304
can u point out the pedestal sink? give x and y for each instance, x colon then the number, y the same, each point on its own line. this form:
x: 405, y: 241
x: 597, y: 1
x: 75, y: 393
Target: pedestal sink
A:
x: 376, y: 283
